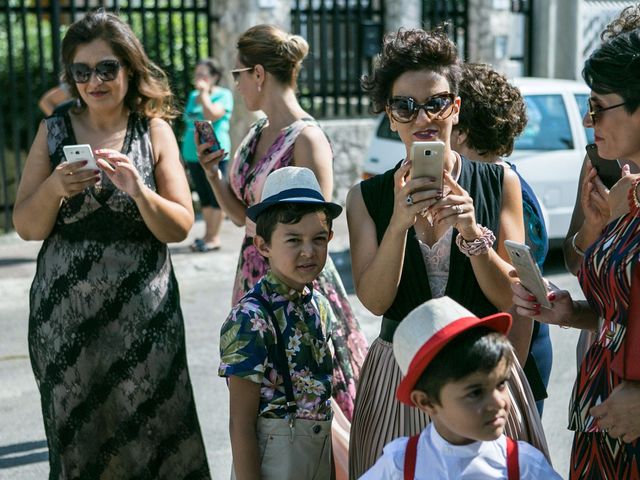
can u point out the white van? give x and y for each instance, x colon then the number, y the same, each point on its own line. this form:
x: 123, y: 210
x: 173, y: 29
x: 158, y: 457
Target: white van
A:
x: 548, y: 154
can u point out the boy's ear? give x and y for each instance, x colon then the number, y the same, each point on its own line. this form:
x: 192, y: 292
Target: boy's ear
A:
x: 422, y: 401
x: 261, y: 245
x: 330, y: 234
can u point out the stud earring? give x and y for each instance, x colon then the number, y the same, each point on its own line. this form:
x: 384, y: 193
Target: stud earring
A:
x: 259, y: 88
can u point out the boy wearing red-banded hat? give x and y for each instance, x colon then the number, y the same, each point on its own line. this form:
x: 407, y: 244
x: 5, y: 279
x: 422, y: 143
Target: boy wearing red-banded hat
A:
x: 456, y: 369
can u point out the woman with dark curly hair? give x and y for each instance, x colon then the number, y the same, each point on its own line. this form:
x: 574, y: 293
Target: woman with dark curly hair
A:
x: 106, y: 335
x: 411, y: 242
x: 492, y: 116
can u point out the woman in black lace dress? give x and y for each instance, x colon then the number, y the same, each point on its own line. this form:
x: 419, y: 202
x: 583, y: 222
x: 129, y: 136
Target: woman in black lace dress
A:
x: 106, y: 335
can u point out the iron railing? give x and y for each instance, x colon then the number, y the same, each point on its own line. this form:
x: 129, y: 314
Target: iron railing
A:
x: 455, y: 13
x: 175, y: 34
x: 343, y: 36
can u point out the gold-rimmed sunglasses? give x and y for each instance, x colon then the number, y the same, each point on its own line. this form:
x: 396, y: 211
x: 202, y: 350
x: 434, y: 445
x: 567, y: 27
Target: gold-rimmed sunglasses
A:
x: 437, y: 107
x: 235, y: 73
x: 595, y: 110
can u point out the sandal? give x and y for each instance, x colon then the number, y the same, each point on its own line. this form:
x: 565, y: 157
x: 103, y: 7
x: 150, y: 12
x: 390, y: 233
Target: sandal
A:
x: 200, y: 246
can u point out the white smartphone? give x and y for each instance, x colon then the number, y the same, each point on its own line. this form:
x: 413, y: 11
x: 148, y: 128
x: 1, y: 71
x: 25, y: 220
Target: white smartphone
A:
x: 528, y: 271
x: 427, y: 160
x: 78, y: 153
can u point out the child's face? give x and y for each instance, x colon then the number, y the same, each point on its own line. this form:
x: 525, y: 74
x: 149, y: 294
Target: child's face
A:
x: 297, y: 252
x: 474, y: 408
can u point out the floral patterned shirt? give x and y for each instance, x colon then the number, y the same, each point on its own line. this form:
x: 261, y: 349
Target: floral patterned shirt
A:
x: 304, y: 319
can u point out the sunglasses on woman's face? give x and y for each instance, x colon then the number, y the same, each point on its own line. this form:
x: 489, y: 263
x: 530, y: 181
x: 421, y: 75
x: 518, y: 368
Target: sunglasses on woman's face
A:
x: 106, y: 70
x: 235, y: 73
x: 595, y: 110
x: 437, y: 107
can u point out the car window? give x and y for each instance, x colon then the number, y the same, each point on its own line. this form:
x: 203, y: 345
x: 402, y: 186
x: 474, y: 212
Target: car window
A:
x: 548, y: 126
x: 384, y: 130
x: 582, y: 98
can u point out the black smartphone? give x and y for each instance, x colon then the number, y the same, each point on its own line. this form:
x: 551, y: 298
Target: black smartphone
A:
x: 207, y: 135
x: 609, y: 171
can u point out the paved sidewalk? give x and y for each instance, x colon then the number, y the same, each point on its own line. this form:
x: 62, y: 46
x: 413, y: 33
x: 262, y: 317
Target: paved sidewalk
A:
x: 205, y: 281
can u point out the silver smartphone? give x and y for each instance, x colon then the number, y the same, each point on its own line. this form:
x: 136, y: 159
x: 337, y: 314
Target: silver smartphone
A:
x: 528, y: 271
x: 427, y: 160
x: 78, y: 153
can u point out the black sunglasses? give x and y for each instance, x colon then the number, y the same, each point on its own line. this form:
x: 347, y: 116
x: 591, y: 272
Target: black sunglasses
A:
x: 106, y: 70
x: 594, y: 110
x: 437, y: 107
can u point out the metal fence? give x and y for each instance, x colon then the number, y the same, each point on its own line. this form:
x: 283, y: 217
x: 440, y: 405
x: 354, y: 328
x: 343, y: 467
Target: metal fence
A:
x: 454, y: 12
x: 175, y: 34
x: 343, y: 36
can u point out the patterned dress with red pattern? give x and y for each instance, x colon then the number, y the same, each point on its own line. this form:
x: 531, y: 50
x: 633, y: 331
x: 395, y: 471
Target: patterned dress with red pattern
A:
x: 605, y: 276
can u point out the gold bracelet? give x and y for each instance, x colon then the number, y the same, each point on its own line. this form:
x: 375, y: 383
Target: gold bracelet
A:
x: 576, y: 248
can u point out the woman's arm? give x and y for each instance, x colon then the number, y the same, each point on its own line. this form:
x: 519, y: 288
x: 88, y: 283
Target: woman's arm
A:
x: 377, y: 268
x: 312, y: 150
x: 41, y: 191
x: 211, y: 110
x: 51, y: 99
x: 244, y: 403
x: 168, y: 213
x: 590, y: 215
x: 232, y: 206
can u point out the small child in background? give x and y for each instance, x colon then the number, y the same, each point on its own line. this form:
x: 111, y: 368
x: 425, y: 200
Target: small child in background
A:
x: 274, y: 344
x: 456, y: 369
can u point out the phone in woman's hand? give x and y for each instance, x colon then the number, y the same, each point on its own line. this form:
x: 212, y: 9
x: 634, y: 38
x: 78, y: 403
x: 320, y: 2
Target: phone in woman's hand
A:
x: 206, y: 134
x: 609, y: 171
x: 79, y: 153
x: 528, y: 271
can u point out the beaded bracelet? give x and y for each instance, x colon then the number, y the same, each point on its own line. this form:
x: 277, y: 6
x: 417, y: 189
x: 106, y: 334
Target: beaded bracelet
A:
x: 479, y: 246
x: 634, y: 202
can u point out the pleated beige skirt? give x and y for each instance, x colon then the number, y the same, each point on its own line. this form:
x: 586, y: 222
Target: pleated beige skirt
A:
x: 379, y: 417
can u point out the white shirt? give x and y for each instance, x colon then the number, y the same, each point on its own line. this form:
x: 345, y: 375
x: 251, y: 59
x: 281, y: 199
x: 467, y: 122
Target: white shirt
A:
x: 438, y: 459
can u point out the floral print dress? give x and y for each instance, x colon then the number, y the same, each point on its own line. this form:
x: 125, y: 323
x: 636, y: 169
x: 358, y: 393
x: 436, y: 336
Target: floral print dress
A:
x: 247, y: 177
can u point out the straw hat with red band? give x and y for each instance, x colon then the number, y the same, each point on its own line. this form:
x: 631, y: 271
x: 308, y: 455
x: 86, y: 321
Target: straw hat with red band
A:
x: 427, y: 329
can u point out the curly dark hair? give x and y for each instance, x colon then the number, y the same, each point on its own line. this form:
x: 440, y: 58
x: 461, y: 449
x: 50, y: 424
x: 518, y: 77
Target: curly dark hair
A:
x: 627, y: 20
x: 614, y: 67
x: 492, y: 111
x: 411, y: 50
x: 149, y: 93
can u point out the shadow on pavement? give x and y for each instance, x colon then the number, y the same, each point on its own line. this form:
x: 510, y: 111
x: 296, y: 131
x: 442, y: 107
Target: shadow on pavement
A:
x: 7, y: 262
x: 25, y: 453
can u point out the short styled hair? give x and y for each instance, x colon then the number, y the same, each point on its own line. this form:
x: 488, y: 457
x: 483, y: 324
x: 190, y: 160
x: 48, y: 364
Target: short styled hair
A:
x: 478, y: 349
x: 288, y: 214
x: 411, y: 50
x: 627, y: 20
x: 492, y: 111
x: 614, y: 67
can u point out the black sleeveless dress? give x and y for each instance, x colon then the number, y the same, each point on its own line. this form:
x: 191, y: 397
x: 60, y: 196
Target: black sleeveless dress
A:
x: 106, y: 335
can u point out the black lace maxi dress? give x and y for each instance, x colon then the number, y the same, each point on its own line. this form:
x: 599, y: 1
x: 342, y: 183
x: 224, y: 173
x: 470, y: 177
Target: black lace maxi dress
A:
x: 106, y: 336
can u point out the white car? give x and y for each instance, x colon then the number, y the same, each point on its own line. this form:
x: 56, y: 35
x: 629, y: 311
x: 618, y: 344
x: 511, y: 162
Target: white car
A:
x: 548, y: 154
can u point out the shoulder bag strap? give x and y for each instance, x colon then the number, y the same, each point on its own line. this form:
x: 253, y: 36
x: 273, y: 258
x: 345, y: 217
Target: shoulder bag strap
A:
x: 410, y: 457
x: 281, y: 360
x: 513, y: 466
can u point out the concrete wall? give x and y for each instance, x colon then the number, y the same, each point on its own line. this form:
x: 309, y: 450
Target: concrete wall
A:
x: 350, y: 140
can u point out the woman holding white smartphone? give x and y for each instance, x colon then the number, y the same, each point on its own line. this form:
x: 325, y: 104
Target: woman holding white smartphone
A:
x: 411, y: 241
x: 106, y: 336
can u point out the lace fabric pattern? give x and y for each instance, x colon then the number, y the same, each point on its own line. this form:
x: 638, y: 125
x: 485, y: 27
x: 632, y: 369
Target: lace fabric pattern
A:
x: 436, y: 261
x: 106, y: 336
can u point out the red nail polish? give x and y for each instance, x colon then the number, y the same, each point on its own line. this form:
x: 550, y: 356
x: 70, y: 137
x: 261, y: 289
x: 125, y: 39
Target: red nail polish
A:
x: 552, y: 296
x: 531, y: 298
x: 84, y: 162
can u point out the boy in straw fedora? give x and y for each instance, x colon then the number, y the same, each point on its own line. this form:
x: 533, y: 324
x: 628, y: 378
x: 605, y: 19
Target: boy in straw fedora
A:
x: 274, y: 344
x: 456, y: 369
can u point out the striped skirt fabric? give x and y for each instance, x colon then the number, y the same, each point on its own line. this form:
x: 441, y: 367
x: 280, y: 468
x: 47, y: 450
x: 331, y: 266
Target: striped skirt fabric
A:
x: 379, y: 417
x: 598, y: 456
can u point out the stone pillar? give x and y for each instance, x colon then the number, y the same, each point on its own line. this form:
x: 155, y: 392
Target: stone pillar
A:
x: 489, y: 30
x: 236, y: 16
x: 402, y: 13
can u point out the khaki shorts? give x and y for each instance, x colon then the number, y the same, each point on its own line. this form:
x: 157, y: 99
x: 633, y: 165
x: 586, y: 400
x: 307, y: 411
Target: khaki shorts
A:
x: 306, y: 456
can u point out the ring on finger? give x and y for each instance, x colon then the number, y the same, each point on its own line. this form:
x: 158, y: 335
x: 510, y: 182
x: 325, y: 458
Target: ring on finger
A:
x: 458, y: 209
x: 409, y: 200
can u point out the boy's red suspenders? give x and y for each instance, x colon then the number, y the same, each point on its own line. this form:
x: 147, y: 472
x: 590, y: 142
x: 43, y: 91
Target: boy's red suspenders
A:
x: 411, y: 454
